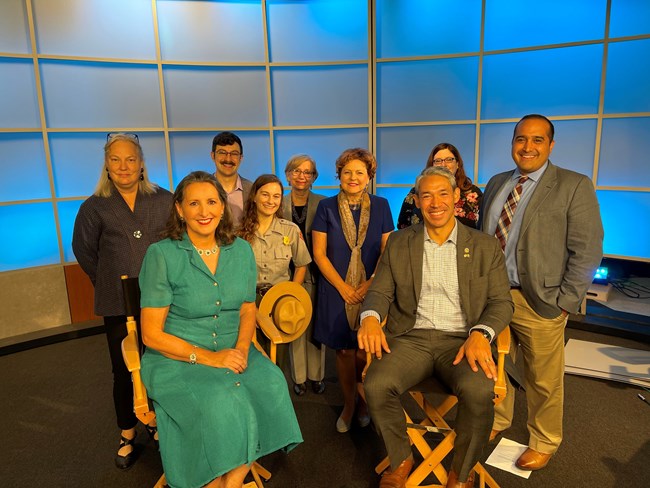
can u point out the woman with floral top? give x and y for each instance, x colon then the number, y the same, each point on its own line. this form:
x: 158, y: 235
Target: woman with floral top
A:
x: 467, y: 208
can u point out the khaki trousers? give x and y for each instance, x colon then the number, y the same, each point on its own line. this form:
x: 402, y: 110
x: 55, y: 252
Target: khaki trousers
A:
x: 541, y: 343
x: 307, y: 359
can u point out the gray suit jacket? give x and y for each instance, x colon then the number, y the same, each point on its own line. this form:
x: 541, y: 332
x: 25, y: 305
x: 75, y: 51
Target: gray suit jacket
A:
x: 482, y: 279
x: 312, y: 205
x: 561, y: 240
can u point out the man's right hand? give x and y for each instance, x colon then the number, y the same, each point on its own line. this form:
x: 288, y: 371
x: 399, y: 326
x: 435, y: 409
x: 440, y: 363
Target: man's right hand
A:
x: 371, y: 337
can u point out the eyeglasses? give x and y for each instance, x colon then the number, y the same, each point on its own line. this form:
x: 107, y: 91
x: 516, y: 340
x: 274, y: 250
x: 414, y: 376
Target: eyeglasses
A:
x: 444, y: 161
x: 224, y: 154
x: 306, y: 173
x: 129, y: 135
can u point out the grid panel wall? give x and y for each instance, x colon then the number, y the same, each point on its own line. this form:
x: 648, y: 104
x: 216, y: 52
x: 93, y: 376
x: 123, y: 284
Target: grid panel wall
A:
x: 316, y: 76
x: 176, y: 72
x: 581, y: 66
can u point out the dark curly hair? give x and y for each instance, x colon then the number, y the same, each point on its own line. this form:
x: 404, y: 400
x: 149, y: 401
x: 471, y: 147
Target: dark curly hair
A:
x: 462, y: 180
x: 250, y: 222
x: 176, y: 227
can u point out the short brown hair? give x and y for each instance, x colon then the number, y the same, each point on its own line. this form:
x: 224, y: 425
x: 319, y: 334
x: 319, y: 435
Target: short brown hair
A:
x: 362, y: 155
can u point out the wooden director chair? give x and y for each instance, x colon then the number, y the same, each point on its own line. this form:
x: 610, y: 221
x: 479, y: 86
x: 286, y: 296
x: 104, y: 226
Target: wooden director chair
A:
x: 288, y: 307
x: 434, y: 422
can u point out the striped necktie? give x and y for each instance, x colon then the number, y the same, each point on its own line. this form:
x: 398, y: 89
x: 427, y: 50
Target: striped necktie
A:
x: 505, y: 220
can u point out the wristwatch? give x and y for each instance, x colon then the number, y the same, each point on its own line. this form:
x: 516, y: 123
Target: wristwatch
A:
x: 193, y: 357
x: 486, y: 334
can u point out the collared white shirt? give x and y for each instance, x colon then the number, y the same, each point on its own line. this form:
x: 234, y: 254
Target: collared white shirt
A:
x: 439, y: 304
x: 439, y: 301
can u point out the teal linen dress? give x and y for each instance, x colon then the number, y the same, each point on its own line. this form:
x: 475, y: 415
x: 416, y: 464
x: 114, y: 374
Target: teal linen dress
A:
x: 210, y: 420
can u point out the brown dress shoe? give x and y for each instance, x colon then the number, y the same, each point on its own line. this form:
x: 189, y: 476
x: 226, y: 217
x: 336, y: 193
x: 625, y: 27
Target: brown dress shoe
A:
x: 452, y: 480
x: 397, y: 478
x: 531, y: 460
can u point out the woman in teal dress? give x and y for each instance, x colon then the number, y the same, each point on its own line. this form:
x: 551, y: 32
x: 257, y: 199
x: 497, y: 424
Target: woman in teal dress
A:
x: 219, y: 402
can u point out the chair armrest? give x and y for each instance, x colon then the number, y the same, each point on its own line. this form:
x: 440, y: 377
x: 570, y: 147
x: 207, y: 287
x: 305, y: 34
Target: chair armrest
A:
x: 131, y: 351
x: 259, y: 347
x: 131, y: 355
x: 268, y: 328
x: 503, y: 348
x: 503, y: 341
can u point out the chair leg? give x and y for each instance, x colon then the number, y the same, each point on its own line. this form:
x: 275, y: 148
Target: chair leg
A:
x: 433, y: 463
x: 484, y: 477
x: 259, y: 472
x: 432, y: 458
x: 161, y: 483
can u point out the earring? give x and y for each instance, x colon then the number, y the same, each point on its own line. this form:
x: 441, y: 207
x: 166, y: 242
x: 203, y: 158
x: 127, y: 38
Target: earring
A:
x: 108, y: 175
x: 141, y: 174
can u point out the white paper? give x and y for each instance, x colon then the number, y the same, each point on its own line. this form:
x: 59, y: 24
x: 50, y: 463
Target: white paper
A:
x: 582, y: 357
x: 505, y: 456
x: 607, y: 376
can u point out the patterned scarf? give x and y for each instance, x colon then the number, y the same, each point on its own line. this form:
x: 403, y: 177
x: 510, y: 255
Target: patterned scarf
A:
x: 356, y: 273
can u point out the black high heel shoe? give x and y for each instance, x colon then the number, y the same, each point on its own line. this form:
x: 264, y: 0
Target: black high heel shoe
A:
x: 318, y: 387
x: 126, y: 461
x: 152, y: 430
x: 299, y: 388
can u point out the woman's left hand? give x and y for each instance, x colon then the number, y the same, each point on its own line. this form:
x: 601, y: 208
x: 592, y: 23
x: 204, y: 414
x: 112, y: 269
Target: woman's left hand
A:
x: 233, y: 359
x: 362, y: 289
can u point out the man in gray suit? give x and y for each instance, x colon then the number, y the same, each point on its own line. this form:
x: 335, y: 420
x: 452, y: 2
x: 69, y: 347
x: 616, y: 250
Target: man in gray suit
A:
x: 444, y: 290
x: 227, y: 154
x: 552, y: 239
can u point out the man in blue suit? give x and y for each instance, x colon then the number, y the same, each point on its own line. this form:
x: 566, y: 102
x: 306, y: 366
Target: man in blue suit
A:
x: 548, y: 222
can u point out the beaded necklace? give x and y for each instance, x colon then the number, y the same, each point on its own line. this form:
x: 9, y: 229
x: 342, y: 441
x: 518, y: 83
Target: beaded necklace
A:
x: 207, y: 252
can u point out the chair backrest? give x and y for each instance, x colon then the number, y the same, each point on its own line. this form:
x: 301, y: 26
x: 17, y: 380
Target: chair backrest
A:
x: 131, y: 293
x: 131, y: 349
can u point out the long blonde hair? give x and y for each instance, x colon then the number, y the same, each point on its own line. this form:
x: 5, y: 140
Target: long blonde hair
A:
x: 105, y: 186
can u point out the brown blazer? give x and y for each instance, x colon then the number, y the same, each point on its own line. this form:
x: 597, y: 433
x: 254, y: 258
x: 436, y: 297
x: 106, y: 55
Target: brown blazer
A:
x: 482, y: 279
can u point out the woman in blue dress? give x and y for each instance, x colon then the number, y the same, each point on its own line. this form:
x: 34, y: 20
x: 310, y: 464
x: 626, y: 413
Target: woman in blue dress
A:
x: 349, y: 233
x: 219, y: 402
